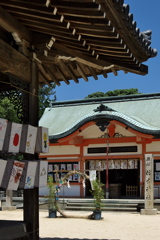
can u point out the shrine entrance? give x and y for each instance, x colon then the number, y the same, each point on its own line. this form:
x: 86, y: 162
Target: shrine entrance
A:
x: 123, y: 178
x: 123, y: 183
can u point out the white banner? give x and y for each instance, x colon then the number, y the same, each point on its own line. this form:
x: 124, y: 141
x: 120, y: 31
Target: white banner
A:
x: 15, y: 175
x: 30, y: 176
x: 31, y: 139
x: 111, y: 164
x: 3, y: 127
x: 124, y: 164
x: 15, y: 138
x: 42, y: 143
x: 43, y: 173
x: 3, y: 164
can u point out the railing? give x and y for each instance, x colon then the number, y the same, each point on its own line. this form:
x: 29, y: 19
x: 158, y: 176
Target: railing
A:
x: 131, y: 191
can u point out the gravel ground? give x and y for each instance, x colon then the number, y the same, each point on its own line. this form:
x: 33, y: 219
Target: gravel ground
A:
x: 113, y: 226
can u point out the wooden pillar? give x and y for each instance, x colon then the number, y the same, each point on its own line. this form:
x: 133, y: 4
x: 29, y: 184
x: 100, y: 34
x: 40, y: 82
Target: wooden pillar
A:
x: 81, y: 186
x: 81, y: 167
x: 107, y: 183
x: 31, y: 196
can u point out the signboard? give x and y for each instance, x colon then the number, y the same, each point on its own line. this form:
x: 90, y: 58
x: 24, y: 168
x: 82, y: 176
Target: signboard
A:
x: 148, y: 181
x: 157, y: 170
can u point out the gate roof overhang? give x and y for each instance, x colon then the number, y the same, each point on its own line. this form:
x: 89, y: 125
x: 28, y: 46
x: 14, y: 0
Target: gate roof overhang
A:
x: 71, y: 39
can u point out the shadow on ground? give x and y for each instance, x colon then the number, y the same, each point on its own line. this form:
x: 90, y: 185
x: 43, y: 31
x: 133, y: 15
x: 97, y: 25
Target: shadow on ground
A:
x: 54, y: 238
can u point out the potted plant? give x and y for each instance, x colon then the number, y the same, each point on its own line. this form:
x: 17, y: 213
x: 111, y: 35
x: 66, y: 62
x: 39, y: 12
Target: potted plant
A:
x: 52, y: 198
x: 98, y: 195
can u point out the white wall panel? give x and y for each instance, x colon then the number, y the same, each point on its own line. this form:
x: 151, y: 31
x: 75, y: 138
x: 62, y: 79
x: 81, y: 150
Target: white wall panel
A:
x: 62, y: 150
x: 153, y: 147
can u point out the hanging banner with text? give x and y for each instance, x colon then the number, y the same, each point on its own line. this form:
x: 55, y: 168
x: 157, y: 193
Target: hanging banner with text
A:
x: 148, y: 181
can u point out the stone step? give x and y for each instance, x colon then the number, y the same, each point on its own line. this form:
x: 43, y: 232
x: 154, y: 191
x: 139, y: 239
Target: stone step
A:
x: 104, y: 204
x: 108, y: 205
x: 104, y: 201
x: 83, y: 208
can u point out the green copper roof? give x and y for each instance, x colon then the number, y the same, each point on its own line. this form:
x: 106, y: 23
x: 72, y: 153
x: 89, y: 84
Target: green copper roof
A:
x: 140, y: 112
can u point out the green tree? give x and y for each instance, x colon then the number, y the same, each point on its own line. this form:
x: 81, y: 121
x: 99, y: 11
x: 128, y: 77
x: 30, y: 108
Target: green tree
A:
x: 46, y: 97
x: 116, y: 92
x: 7, y: 110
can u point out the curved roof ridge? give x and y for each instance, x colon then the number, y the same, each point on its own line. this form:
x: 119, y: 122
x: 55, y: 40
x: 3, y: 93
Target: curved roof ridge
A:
x: 110, y: 115
x: 143, y: 96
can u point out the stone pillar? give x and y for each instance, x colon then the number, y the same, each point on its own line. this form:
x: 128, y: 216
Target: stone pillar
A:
x: 8, y: 201
x: 149, y: 187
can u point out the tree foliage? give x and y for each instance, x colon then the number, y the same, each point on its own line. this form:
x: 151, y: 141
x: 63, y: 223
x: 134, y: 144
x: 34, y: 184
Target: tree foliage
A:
x: 7, y: 110
x: 98, y: 194
x: 46, y: 97
x: 116, y: 92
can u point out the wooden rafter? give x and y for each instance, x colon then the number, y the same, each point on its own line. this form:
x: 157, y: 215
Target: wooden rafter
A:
x: 14, y: 62
x: 97, y: 34
x: 10, y: 24
x: 79, y: 69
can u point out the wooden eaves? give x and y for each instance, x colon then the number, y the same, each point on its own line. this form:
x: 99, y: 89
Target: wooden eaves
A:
x: 71, y: 39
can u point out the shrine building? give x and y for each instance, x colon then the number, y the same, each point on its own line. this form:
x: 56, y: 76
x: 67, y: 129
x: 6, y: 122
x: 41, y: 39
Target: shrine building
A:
x: 110, y: 135
x: 45, y: 42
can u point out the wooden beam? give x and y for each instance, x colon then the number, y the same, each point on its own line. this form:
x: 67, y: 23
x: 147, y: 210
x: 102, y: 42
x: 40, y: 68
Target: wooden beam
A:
x: 100, y: 63
x: 91, y: 61
x: 93, y: 73
x: 104, y: 74
x: 64, y: 66
x: 14, y: 62
x: 10, y: 24
x: 99, y: 34
x: 114, y: 71
x: 62, y: 75
x: 78, y: 6
x: 82, y: 14
x: 53, y: 76
x: 81, y: 72
x: 45, y: 75
x: 43, y: 79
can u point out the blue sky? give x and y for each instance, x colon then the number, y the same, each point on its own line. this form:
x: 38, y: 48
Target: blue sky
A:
x: 147, y: 17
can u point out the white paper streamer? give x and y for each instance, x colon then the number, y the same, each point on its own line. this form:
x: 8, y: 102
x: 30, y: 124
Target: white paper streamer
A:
x: 68, y: 184
x: 92, y: 176
x: 83, y: 183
